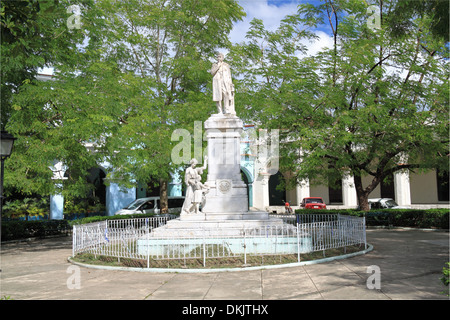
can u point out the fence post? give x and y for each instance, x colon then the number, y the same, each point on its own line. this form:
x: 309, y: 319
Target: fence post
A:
x: 245, y: 251
x: 298, y: 242
x: 204, y: 249
x: 148, y: 245
x: 364, y: 233
x: 82, y: 237
x: 74, y: 240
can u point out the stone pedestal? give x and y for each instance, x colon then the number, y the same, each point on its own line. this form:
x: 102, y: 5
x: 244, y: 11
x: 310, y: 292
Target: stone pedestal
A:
x: 228, y: 193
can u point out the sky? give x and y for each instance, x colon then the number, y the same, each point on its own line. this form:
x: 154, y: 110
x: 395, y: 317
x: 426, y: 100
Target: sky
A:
x: 272, y: 12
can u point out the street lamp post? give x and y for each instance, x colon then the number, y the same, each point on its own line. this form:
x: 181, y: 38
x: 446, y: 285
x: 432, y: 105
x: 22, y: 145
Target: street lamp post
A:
x: 6, y: 145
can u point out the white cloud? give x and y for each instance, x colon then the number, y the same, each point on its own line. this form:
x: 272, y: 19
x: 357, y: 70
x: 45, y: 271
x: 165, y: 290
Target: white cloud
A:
x: 324, y: 41
x: 270, y: 14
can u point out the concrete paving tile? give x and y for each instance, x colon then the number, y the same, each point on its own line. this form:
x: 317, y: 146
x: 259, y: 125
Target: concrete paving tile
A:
x: 184, y: 287
x: 305, y: 296
x: 410, y: 289
x: 244, y: 285
x: 352, y: 293
x: 286, y: 284
x: 133, y: 285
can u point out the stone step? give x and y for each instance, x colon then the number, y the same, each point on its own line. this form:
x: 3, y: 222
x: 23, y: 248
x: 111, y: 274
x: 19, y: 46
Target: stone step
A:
x: 219, y: 216
x: 187, y: 228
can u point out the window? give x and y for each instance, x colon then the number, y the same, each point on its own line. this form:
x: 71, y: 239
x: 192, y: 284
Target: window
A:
x: 442, y: 185
x: 277, y: 195
x: 147, y: 206
x: 387, y: 188
x: 314, y: 200
x: 335, y: 193
x: 176, y: 203
x: 375, y: 205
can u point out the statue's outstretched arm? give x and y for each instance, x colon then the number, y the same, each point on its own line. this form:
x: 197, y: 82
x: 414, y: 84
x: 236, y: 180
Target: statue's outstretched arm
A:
x: 205, y: 163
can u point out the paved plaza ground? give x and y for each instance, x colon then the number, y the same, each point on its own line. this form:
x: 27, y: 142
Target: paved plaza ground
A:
x: 410, y: 264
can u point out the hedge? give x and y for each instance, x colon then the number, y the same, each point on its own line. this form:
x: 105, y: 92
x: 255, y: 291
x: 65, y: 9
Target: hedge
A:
x: 14, y: 230
x: 19, y: 229
x: 414, y: 218
x: 431, y: 218
x: 102, y: 218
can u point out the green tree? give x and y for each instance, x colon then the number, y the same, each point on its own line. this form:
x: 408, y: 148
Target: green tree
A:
x: 400, y: 12
x: 164, y: 47
x: 371, y: 105
x: 33, y: 35
x: 138, y: 73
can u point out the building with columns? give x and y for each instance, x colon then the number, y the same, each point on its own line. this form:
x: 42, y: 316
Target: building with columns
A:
x: 412, y: 190
x: 419, y: 191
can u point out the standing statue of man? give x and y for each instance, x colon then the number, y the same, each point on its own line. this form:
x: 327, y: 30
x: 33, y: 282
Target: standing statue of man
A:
x: 223, y: 88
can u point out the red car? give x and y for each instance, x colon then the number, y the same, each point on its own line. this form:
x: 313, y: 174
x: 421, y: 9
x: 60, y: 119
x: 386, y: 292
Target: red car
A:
x: 313, y: 203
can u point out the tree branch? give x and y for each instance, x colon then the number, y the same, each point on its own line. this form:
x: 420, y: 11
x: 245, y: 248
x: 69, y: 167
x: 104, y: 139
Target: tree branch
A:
x: 378, y: 63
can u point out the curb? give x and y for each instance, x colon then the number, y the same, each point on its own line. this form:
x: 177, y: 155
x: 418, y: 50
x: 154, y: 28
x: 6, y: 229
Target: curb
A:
x: 173, y: 270
x: 405, y: 228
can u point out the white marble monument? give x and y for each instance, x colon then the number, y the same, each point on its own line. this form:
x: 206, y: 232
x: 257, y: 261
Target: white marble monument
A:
x: 224, y: 194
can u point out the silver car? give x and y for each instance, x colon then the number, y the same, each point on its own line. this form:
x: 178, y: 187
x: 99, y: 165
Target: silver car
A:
x: 151, y: 205
x: 384, y: 203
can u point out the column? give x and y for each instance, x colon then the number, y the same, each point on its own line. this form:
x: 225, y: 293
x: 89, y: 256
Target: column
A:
x: 57, y: 206
x: 402, y: 188
x: 302, y: 191
x: 401, y: 184
x: 57, y: 200
x: 265, y: 190
x: 349, y: 198
x: 261, y: 191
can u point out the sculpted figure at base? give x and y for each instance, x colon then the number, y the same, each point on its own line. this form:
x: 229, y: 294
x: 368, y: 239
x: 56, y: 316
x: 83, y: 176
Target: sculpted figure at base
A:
x: 223, y: 88
x: 195, y: 189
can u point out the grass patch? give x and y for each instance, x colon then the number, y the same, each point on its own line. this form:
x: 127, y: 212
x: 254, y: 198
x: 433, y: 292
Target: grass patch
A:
x: 212, y: 263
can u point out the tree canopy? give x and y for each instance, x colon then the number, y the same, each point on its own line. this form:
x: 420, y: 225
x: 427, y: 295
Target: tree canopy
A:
x: 137, y: 72
x: 374, y: 103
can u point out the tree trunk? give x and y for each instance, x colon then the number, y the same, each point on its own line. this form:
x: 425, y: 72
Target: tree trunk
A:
x: 163, y: 196
x: 361, y: 194
x: 363, y: 200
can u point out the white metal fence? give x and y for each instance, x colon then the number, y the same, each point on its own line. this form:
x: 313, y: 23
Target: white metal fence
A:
x: 113, y: 237
x: 132, y: 238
